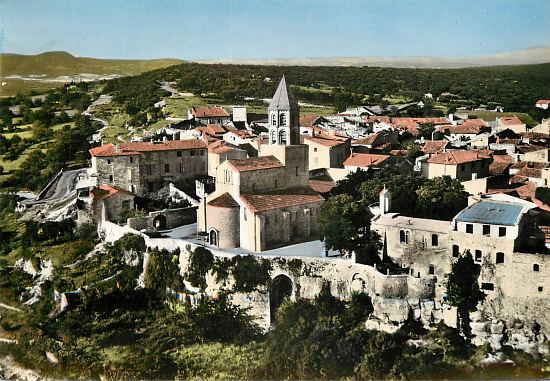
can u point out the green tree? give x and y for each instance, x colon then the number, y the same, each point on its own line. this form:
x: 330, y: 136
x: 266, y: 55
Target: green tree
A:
x: 463, y: 288
x: 441, y: 198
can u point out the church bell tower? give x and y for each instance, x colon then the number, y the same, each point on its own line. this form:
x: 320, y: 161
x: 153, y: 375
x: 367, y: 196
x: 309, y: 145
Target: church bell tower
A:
x: 283, y: 117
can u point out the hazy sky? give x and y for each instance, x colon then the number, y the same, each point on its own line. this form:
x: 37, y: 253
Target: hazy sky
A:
x: 201, y: 29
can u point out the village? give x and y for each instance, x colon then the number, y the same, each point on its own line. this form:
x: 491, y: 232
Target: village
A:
x: 236, y: 185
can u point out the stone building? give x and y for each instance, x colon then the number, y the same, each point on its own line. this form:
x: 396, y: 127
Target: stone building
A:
x: 209, y: 115
x: 109, y: 203
x: 327, y: 152
x: 264, y: 202
x: 459, y: 164
x: 147, y: 167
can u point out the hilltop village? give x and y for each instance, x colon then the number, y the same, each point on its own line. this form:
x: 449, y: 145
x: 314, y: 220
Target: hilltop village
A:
x: 342, y: 203
x: 239, y: 186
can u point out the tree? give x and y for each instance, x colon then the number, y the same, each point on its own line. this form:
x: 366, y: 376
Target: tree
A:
x: 441, y: 198
x: 463, y: 288
x: 344, y: 225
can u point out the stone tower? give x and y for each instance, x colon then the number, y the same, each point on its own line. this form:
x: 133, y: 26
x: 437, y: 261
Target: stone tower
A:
x: 283, y: 117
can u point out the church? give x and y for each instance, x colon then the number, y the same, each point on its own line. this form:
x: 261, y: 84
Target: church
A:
x: 265, y: 202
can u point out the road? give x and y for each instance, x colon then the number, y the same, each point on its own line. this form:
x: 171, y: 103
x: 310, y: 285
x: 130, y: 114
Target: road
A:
x: 64, y: 185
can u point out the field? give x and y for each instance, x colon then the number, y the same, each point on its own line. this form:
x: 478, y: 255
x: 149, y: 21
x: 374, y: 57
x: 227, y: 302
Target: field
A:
x: 490, y: 116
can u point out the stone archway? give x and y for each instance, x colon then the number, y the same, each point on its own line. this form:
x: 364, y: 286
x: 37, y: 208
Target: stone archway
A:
x: 159, y: 222
x: 281, y: 288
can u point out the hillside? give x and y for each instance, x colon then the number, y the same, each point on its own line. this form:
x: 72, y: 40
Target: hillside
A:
x: 40, y: 72
x: 54, y: 64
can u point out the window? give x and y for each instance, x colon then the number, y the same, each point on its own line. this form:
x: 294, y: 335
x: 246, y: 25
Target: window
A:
x: 273, y: 120
x: 487, y: 286
x: 456, y: 251
x: 201, y: 152
x: 536, y: 267
x: 166, y: 168
x: 297, y: 170
x: 540, y: 288
x: 276, y: 218
x: 404, y: 237
x: 282, y: 119
x: 244, y: 214
x: 314, y: 149
x: 435, y: 240
x: 500, y: 258
x: 111, y: 178
x: 178, y: 153
x: 108, y: 161
x: 431, y: 270
x: 180, y: 167
x: 469, y: 228
x: 192, y: 152
x: 486, y: 229
x: 478, y: 256
x: 131, y: 159
x: 275, y: 184
x: 502, y: 231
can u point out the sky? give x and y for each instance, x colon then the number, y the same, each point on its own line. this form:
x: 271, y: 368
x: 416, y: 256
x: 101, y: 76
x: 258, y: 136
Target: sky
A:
x: 267, y: 29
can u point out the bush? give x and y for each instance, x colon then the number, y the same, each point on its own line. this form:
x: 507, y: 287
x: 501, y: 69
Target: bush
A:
x: 201, y: 261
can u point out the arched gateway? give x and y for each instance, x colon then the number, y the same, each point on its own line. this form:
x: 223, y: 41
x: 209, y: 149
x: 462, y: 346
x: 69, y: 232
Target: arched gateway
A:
x: 281, y: 288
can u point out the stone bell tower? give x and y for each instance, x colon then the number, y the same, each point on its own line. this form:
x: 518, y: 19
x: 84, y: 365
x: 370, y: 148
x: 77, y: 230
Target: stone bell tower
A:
x: 283, y: 117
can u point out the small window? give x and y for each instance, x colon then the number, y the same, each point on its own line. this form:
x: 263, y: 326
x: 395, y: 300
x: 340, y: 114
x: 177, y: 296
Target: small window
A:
x: 478, y: 255
x: 166, y: 168
x: 469, y: 228
x: 131, y: 159
x: 435, y: 240
x: 500, y: 258
x: 297, y: 170
x: 502, y: 231
x: 431, y: 270
x: 541, y: 289
x: 244, y: 214
x: 111, y: 178
x: 202, y: 152
x: 315, y: 149
x: 402, y: 237
x: 486, y: 229
x: 487, y: 286
x: 536, y: 267
x: 275, y: 184
x: 456, y: 251
x: 180, y: 167
x: 276, y: 218
x: 178, y: 153
x: 108, y: 161
x: 192, y: 152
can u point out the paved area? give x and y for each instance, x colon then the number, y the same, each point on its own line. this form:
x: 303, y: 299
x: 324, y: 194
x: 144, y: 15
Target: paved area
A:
x: 313, y: 249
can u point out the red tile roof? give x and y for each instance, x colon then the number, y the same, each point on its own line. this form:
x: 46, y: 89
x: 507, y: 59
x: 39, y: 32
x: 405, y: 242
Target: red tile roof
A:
x: 208, y: 112
x: 135, y: 148
x: 364, y: 160
x: 255, y: 163
x: 98, y: 150
x: 281, y: 199
x: 322, y: 186
x: 219, y: 147
x: 509, y: 121
x: 499, y: 164
x: 369, y: 140
x: 457, y: 157
x: 224, y: 201
x: 465, y: 128
x: 327, y: 142
x: 308, y: 120
x: 434, y: 146
x: 529, y: 164
x: 105, y: 191
x: 543, y: 101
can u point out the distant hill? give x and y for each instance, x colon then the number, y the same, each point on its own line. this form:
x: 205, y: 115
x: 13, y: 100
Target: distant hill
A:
x: 54, y: 64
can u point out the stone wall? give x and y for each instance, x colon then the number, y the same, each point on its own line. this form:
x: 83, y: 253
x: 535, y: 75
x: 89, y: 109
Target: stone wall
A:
x: 174, y: 218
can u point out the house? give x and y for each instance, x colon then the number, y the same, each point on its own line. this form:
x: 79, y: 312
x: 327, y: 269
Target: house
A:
x: 327, y: 151
x: 218, y: 152
x: 238, y: 137
x: 144, y: 167
x: 109, y: 203
x: 543, y: 104
x: 367, y: 161
x: 510, y: 122
x: 265, y: 202
x: 383, y: 141
x: 467, y: 130
x: 434, y: 146
x: 209, y: 115
x: 215, y: 130
x: 530, y: 171
x: 458, y: 164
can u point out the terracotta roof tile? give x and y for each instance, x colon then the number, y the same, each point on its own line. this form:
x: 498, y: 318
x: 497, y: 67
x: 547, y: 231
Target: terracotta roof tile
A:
x: 509, y: 121
x: 457, y: 157
x: 434, y: 146
x: 325, y: 141
x: 529, y: 164
x: 499, y: 164
x: 308, y: 120
x: 224, y: 201
x: 105, y: 191
x: 543, y: 101
x: 208, y: 112
x: 322, y: 186
x: 364, y: 160
x: 135, y: 148
x: 281, y: 199
x: 255, y: 163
